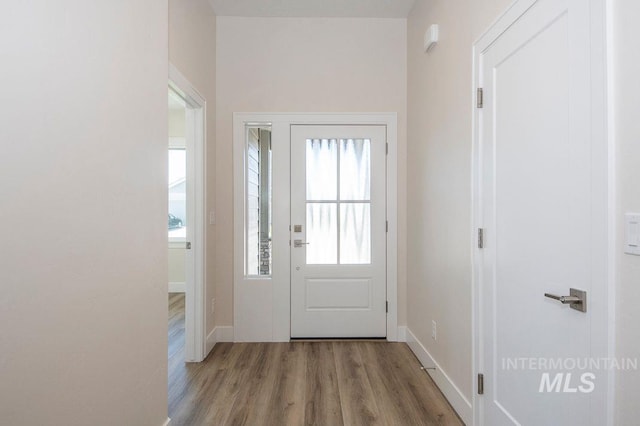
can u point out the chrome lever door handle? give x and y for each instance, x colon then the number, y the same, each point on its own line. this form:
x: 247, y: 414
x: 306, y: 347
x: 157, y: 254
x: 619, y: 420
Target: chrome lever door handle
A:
x: 299, y: 243
x: 563, y: 299
x: 577, y: 299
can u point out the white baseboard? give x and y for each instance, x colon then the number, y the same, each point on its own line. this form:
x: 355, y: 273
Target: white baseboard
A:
x: 456, y: 398
x: 402, y: 333
x: 218, y: 334
x: 177, y: 287
x: 224, y: 333
x: 166, y: 423
x: 212, y: 339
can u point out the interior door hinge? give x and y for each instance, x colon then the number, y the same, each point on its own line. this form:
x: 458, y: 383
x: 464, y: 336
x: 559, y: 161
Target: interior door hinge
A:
x: 386, y: 148
x: 480, y: 98
x: 480, y: 238
x: 480, y: 384
x: 387, y: 307
x: 387, y: 226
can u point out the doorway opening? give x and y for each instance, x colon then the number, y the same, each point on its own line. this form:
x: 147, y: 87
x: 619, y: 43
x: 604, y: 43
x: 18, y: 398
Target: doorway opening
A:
x: 185, y: 221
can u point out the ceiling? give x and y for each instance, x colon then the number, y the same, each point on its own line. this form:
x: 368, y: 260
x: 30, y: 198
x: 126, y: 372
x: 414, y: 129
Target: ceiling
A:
x: 314, y: 8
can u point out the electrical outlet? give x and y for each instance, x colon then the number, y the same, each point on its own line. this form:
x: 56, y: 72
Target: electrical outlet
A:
x: 434, y: 330
x: 213, y: 306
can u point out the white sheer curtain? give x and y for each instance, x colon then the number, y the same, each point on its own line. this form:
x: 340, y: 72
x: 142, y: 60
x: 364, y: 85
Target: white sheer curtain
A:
x: 322, y: 185
x: 355, y: 233
x: 355, y: 173
x: 351, y: 206
x: 322, y: 169
x: 355, y: 185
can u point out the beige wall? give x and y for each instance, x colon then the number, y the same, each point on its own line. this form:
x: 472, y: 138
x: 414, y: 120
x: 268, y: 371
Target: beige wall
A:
x: 83, y: 310
x: 626, y: 91
x: 304, y: 65
x: 192, y: 49
x: 177, y: 123
x: 177, y: 255
x: 176, y: 265
x: 439, y: 190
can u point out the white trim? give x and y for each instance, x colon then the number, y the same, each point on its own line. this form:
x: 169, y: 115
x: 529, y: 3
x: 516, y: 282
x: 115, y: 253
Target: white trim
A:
x: 176, y: 142
x: 402, y: 333
x: 217, y: 335
x: 501, y: 24
x: 270, y: 297
x: 177, y: 286
x: 224, y: 333
x: 166, y: 422
x: 456, y: 398
x: 195, y: 294
x: 611, y: 135
x: 212, y: 339
x: 392, y: 233
x: 183, y: 87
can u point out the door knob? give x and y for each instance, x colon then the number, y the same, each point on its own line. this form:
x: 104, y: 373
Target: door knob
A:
x: 577, y: 299
x: 299, y: 243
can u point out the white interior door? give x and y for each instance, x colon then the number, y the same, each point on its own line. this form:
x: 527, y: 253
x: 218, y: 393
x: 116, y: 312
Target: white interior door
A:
x: 541, y: 204
x: 338, y: 231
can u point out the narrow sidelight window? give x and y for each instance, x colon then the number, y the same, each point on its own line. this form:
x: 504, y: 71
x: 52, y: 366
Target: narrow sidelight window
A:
x: 258, y: 200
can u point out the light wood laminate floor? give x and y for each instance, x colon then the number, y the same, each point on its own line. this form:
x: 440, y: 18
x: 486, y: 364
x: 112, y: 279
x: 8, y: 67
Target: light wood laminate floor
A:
x: 328, y: 383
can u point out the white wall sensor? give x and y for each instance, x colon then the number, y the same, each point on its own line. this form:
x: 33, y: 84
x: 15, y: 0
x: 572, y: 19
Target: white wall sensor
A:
x: 431, y: 37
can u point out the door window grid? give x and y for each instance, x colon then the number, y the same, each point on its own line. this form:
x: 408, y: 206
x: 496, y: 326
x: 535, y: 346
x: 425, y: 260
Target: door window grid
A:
x: 338, y: 174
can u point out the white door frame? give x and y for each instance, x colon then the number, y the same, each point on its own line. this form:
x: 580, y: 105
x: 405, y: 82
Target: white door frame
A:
x: 262, y: 305
x: 195, y: 292
x: 602, y: 160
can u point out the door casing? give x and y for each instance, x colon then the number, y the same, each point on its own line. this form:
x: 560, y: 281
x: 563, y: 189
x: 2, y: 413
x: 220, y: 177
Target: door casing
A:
x: 262, y: 306
x: 602, y: 333
x: 195, y: 293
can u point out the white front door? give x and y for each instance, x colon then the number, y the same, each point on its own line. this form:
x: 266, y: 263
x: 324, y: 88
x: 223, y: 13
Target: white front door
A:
x: 542, y: 189
x: 338, y: 235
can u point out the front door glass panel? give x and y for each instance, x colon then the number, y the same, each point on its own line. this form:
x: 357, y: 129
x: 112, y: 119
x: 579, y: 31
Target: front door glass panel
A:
x: 338, y: 198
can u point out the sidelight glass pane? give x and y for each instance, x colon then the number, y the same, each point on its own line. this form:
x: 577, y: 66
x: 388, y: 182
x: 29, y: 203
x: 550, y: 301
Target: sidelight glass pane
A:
x: 258, y: 201
x: 355, y: 233
x: 355, y: 169
x: 322, y: 234
x: 322, y: 169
